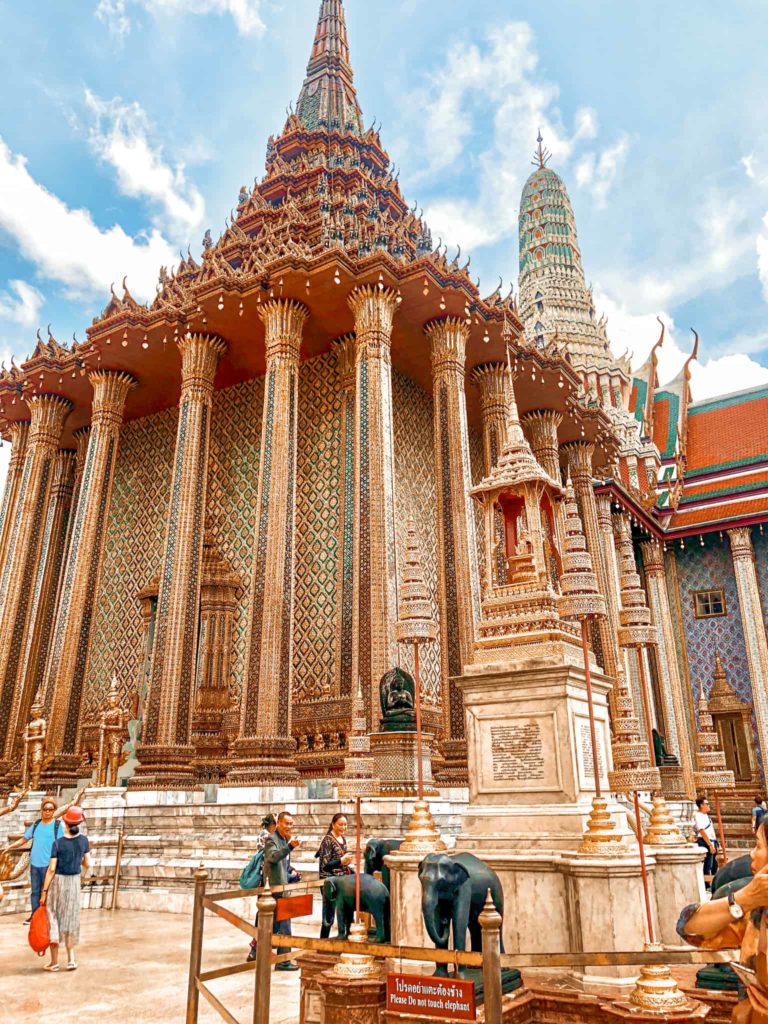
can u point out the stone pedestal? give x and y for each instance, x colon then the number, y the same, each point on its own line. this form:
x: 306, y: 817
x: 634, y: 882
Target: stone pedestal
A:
x: 312, y: 966
x: 530, y: 756
x: 679, y: 881
x: 345, y: 1000
x: 397, y: 762
x: 672, y: 782
x: 405, y: 904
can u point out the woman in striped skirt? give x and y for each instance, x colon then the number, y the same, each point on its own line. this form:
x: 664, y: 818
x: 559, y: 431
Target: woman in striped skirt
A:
x: 61, y: 888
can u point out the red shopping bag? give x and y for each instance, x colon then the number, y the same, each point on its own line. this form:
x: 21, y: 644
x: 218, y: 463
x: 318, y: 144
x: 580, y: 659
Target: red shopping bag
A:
x: 39, y: 933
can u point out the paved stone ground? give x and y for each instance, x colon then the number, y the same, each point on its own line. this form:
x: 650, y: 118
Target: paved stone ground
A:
x: 133, y: 969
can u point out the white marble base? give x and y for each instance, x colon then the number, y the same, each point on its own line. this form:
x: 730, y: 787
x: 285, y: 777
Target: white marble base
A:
x: 531, y: 777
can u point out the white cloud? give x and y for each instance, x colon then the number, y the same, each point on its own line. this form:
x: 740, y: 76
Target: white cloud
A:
x: 761, y: 245
x: 496, y: 82
x: 112, y: 13
x: 66, y: 245
x: 597, y: 172
x: 120, y: 137
x: 246, y: 14
x: 23, y: 307
x: 720, y: 375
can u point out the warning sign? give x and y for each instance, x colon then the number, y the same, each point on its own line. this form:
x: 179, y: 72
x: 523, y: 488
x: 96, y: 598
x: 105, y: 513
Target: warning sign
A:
x: 431, y: 997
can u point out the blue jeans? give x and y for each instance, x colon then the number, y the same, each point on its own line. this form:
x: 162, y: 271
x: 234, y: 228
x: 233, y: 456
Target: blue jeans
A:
x: 37, y: 877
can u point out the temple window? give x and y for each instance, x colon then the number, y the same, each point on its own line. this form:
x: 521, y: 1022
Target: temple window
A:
x: 709, y: 604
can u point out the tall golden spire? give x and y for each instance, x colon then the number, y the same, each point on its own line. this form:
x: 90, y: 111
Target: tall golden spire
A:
x: 328, y: 100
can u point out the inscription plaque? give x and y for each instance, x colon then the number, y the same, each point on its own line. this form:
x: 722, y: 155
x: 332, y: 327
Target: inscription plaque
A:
x: 584, y: 754
x: 517, y: 752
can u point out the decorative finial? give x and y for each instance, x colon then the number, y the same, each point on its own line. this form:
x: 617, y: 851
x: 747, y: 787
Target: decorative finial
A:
x: 542, y: 154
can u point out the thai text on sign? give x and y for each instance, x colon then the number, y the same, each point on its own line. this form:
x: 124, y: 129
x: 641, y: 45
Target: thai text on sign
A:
x: 431, y: 997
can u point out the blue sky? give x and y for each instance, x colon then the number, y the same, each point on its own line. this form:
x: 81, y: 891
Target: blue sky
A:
x: 128, y: 126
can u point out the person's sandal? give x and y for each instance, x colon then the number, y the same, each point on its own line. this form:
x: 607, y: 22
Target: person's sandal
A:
x: 71, y: 966
x: 52, y: 967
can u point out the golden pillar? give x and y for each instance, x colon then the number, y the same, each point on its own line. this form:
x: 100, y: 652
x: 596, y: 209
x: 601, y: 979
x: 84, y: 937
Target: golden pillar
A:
x: 743, y: 555
x: 22, y: 558
x: 166, y: 751
x: 345, y: 361
x: 672, y: 694
x: 68, y: 656
x: 604, y: 639
x: 541, y: 429
x: 458, y: 576
x: 492, y: 381
x: 19, y: 436
x: 264, y: 751
x: 46, y: 585
x: 374, y: 649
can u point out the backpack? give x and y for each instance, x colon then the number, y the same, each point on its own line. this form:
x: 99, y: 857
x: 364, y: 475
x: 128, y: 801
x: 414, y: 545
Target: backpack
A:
x: 39, y: 935
x: 252, y: 875
x: 56, y: 828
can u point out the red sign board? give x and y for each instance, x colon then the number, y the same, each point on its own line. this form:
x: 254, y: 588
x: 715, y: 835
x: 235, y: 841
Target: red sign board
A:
x: 453, y: 998
x: 288, y: 907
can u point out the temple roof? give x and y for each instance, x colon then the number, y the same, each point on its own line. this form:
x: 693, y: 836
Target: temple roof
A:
x: 328, y: 98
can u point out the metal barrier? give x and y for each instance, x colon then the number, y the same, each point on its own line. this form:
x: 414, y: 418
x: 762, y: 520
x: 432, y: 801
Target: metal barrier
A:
x: 491, y: 960
x: 92, y: 880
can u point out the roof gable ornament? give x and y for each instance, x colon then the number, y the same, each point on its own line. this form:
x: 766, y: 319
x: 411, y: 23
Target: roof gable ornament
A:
x: 542, y: 155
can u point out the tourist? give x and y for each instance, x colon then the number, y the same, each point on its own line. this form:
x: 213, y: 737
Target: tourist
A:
x: 706, y: 837
x: 759, y: 811
x: 334, y: 860
x: 43, y: 834
x: 61, y: 888
x: 278, y: 871
x: 268, y: 826
x: 738, y: 920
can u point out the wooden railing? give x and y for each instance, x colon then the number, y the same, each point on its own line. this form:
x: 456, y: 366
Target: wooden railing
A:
x: 491, y: 959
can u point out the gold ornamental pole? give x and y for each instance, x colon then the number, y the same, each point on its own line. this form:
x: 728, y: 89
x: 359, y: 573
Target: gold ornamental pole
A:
x: 656, y: 991
x: 582, y: 600
x: 711, y: 767
x: 358, y: 781
x: 416, y: 625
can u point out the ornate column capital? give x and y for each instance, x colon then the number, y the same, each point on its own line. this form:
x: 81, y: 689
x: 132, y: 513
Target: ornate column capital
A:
x: 63, y: 472
x: 344, y: 350
x: 19, y: 436
x: 741, y: 543
x: 604, y: 512
x: 653, y: 557
x: 48, y: 415
x: 283, y: 321
x: 580, y: 454
x: 491, y: 380
x: 110, y: 390
x: 200, y: 354
x: 540, y: 427
x: 374, y: 310
x: 81, y: 440
x: 449, y: 337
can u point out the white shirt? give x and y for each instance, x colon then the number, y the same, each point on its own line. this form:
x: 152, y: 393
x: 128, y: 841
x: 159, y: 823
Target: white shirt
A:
x: 703, y: 823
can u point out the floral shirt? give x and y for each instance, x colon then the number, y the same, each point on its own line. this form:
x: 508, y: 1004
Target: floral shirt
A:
x: 743, y: 935
x: 330, y: 853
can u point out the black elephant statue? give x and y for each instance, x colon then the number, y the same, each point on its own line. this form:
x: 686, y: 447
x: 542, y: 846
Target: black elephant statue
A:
x: 453, y: 893
x: 339, y: 902
x: 375, y: 852
x: 730, y: 878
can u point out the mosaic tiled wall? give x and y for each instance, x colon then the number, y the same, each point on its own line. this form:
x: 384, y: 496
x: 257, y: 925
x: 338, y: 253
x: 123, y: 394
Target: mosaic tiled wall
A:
x: 710, y: 568
x: 317, y: 527
x: 135, y: 536
x: 133, y: 552
x: 760, y: 544
x: 233, y: 481
x: 415, y: 494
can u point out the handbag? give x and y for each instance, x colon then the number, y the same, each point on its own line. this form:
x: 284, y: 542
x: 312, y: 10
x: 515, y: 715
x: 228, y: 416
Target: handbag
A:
x: 39, y: 934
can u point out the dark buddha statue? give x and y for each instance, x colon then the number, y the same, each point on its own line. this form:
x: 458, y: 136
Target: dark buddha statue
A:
x: 661, y: 754
x: 397, y: 693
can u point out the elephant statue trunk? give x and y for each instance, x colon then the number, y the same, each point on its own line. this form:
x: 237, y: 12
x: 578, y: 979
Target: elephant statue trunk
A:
x: 436, y: 921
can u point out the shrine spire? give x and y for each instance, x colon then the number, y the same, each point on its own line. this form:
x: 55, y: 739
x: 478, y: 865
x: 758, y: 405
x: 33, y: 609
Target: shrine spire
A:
x: 328, y: 100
